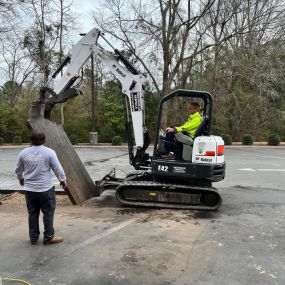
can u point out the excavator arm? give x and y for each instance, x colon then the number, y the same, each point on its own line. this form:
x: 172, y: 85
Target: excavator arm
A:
x: 132, y: 86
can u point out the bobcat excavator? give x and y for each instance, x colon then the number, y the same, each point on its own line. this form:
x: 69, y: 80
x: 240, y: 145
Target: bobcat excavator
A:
x: 157, y: 182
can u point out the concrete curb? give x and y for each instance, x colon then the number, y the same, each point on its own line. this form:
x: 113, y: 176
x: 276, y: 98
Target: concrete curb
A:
x: 104, y: 145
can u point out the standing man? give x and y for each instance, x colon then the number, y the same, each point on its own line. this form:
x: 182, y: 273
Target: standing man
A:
x: 33, y: 170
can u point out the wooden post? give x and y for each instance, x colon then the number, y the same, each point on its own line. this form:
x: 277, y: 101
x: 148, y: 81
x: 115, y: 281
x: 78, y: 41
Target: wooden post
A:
x: 81, y: 187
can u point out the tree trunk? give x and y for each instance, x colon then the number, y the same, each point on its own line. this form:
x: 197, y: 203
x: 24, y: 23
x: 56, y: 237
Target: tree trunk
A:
x: 61, y: 55
x: 80, y: 184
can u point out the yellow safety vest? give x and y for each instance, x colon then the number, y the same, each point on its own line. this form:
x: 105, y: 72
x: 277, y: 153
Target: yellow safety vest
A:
x: 194, y: 121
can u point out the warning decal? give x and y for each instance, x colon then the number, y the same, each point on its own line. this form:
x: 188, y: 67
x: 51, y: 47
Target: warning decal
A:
x: 135, y: 101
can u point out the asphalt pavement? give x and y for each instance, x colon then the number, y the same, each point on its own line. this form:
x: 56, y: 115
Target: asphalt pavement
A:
x: 105, y: 243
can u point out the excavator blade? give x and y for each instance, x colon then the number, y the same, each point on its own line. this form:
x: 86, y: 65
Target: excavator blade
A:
x: 80, y: 185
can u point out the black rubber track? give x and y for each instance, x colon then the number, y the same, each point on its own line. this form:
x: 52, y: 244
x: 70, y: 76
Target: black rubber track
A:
x: 163, y: 195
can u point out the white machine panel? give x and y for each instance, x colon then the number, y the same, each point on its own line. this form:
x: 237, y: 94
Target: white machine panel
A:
x: 208, y: 150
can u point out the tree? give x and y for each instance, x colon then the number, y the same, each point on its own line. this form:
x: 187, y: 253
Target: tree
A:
x: 45, y: 39
x: 66, y: 22
x: 9, y: 92
x: 112, y: 122
x: 247, y: 71
x: 16, y: 69
x: 172, y: 31
x: 42, y: 37
x: 8, y: 12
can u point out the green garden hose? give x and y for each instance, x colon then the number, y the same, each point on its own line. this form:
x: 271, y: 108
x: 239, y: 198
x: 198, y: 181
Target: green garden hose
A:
x: 16, y: 280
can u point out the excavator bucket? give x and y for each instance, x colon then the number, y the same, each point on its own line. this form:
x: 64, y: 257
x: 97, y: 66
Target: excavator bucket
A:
x: 80, y: 185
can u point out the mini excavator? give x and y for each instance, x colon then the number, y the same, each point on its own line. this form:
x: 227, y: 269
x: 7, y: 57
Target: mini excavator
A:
x: 184, y: 183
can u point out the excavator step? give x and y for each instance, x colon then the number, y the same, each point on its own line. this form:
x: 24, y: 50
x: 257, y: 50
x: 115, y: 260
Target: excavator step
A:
x: 163, y: 195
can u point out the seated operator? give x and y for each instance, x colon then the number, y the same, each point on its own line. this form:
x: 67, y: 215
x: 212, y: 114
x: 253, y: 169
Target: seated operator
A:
x: 194, y: 121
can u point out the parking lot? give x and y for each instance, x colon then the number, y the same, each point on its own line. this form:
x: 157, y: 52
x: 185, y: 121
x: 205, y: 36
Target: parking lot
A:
x: 105, y: 243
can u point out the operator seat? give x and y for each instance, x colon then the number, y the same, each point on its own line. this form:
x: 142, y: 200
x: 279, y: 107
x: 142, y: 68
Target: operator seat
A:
x: 187, y: 142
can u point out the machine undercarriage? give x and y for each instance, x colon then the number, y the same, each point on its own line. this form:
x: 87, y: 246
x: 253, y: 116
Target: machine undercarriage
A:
x: 140, y: 189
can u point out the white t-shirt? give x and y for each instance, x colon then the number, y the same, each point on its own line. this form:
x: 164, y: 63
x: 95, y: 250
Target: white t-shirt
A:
x: 34, y: 165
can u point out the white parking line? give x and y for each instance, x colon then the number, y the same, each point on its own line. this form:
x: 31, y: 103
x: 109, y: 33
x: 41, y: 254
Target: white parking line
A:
x: 80, y: 245
x: 273, y: 169
x: 247, y: 169
x: 99, y: 236
x: 264, y: 169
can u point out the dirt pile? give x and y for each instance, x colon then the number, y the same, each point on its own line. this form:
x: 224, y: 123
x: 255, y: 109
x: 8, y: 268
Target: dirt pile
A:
x: 19, y: 199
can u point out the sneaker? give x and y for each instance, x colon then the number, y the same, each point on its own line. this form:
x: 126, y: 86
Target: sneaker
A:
x: 168, y: 156
x: 54, y: 240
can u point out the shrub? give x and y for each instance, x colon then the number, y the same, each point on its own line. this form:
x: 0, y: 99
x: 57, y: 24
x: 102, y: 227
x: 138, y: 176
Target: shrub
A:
x: 247, y: 139
x: 273, y: 139
x: 17, y: 140
x: 227, y: 139
x: 107, y: 133
x: 2, y: 140
x: 74, y: 139
x: 79, y: 128
x: 117, y: 140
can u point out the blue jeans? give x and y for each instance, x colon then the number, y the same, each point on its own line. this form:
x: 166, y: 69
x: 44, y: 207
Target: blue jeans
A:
x: 45, y: 202
x: 172, y: 145
x: 170, y: 141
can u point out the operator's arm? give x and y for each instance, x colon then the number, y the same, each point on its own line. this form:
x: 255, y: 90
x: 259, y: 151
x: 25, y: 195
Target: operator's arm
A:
x: 57, y: 169
x: 20, y: 169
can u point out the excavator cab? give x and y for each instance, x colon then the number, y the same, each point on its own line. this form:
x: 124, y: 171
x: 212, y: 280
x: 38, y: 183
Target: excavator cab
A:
x: 197, y: 161
x: 173, y: 110
x: 184, y: 181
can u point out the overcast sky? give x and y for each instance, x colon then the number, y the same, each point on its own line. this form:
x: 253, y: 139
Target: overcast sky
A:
x: 83, y: 8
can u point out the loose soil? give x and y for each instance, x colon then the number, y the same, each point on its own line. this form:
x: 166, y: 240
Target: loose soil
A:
x: 19, y: 199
